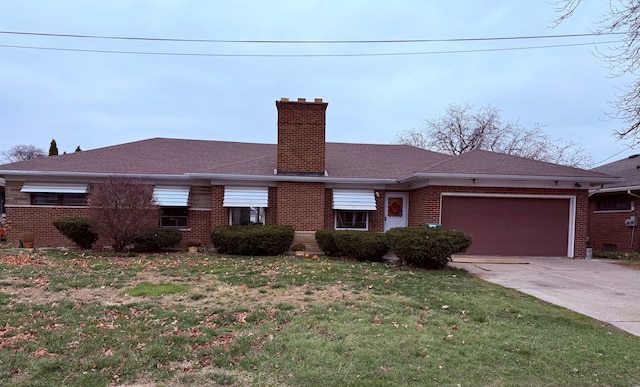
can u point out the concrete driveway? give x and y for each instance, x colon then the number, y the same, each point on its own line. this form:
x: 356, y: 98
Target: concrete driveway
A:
x: 596, y: 288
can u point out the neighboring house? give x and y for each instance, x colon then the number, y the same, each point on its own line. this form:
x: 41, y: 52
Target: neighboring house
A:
x: 1, y: 197
x: 612, y: 207
x: 510, y: 205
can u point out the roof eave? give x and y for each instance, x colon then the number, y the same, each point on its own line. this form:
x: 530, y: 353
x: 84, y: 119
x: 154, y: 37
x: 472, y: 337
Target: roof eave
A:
x: 289, y: 178
x: 212, y: 176
x: 615, y: 189
x: 477, y: 176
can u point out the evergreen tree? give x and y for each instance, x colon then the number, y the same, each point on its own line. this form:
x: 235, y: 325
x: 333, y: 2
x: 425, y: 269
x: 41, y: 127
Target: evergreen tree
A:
x: 53, y: 148
x: 78, y: 149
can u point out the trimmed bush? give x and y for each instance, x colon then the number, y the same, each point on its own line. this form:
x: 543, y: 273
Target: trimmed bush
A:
x: 78, y: 230
x: 429, y: 248
x: 252, y: 240
x: 327, y: 242
x: 361, y: 245
x: 156, y: 239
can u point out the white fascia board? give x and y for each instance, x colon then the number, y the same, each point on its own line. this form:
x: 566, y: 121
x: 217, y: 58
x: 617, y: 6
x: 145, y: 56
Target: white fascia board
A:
x: 477, y: 176
x: 301, y: 179
x: 56, y: 174
x: 615, y: 189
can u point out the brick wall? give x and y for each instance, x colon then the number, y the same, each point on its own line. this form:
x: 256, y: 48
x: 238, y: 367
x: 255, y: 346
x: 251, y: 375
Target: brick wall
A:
x: 608, y: 228
x: 301, y: 205
x: 40, y: 221
x: 376, y: 218
x: 219, y: 214
x: 301, y: 136
x: 424, y: 206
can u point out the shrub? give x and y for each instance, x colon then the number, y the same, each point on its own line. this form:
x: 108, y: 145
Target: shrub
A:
x: 252, y: 240
x: 631, y: 255
x: 78, y: 230
x: 156, y: 239
x: 327, y: 242
x: 429, y: 248
x: 361, y: 245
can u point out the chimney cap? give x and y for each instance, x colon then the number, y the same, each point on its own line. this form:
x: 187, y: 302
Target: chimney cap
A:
x: 301, y: 100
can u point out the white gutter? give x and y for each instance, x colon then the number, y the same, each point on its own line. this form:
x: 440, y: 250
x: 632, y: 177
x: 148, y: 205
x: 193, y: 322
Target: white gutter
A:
x: 478, y: 176
x: 89, y: 174
x: 289, y: 178
x: 192, y: 176
x: 615, y: 189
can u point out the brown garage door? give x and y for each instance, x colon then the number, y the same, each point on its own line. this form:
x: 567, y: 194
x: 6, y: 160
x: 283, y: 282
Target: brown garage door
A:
x: 510, y: 226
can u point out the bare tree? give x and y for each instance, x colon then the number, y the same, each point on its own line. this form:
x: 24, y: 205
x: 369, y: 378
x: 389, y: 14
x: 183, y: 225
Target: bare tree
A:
x: 462, y: 129
x: 23, y: 153
x: 120, y: 206
x: 622, y: 19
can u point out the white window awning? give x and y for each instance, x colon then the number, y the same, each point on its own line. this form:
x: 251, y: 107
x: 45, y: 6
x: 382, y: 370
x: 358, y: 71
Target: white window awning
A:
x: 354, y: 199
x: 61, y: 188
x: 170, y: 196
x: 246, y: 197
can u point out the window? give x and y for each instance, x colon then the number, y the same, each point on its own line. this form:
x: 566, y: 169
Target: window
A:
x: 174, y: 205
x: 613, y: 203
x: 357, y: 220
x: 174, y: 217
x: 58, y: 199
x: 246, y: 204
x: 243, y: 216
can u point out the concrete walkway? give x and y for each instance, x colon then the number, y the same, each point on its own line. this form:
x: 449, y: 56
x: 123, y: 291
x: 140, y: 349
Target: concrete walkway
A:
x: 596, y: 288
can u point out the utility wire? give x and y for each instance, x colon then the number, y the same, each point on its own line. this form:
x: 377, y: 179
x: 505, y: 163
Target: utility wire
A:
x: 612, y: 156
x: 308, y: 41
x: 302, y: 55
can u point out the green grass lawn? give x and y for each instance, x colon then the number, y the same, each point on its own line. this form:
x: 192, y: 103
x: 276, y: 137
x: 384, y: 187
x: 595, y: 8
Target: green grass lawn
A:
x: 88, y: 320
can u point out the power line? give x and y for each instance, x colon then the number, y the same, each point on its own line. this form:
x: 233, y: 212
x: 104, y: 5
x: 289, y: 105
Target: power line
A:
x: 302, y: 55
x: 525, y: 37
x: 612, y: 156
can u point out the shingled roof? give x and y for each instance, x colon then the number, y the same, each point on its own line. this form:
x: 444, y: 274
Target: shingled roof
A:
x: 178, y: 157
x: 628, y: 169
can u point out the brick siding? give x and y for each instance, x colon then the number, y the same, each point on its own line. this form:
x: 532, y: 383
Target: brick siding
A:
x: 608, y: 228
x: 301, y: 205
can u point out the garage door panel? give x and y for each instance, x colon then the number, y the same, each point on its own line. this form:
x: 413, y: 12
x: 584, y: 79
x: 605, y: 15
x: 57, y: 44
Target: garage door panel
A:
x: 510, y: 226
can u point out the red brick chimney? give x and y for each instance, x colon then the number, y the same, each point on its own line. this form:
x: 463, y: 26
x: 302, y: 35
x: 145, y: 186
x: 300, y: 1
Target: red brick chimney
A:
x: 301, y: 136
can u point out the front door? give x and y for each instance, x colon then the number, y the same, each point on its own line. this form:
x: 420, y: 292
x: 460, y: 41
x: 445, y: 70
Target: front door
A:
x: 395, y: 210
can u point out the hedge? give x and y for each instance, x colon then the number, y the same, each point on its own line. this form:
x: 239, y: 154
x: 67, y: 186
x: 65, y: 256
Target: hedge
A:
x: 425, y: 247
x: 360, y: 245
x: 78, y: 230
x: 252, y: 240
x: 156, y: 239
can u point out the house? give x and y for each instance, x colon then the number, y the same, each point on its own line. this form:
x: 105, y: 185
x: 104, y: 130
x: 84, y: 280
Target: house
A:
x: 510, y: 205
x: 612, y: 207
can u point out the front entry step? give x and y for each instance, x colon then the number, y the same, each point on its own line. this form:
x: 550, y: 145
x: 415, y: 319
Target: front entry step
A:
x: 308, y: 238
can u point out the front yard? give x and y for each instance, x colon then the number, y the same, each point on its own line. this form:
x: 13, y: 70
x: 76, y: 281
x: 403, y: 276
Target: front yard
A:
x: 82, y: 319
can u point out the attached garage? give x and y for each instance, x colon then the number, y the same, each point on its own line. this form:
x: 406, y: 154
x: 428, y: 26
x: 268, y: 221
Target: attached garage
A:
x: 513, y: 224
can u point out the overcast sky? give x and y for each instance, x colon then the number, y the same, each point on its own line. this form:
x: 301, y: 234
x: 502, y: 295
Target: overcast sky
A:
x: 96, y: 99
